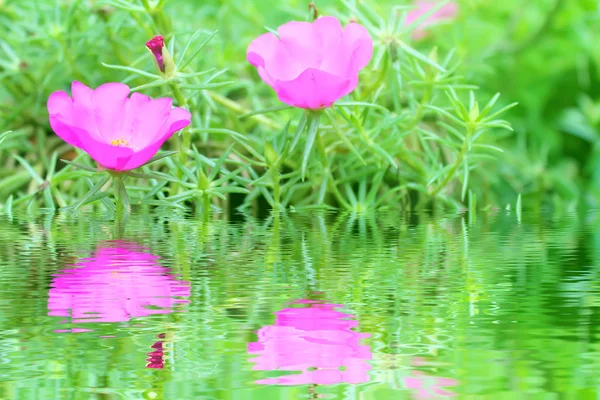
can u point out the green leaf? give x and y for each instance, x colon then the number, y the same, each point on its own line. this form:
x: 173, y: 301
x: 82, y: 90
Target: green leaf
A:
x: 38, y: 179
x: 198, y: 50
x: 52, y: 166
x: 384, y: 154
x: 207, y: 85
x: 219, y: 163
x: 230, y: 189
x: 221, y: 131
x: 157, y: 83
x: 161, y: 156
x: 79, y: 166
x: 133, y: 70
x: 343, y: 137
x: 8, y: 205
x: 445, y: 113
x: 3, y: 136
x: 189, y: 43
x: 98, y: 196
x: 299, y: 130
x: 155, y: 189
x: 122, y: 191
x: 497, y: 113
x: 154, y: 175
x: 156, y: 202
x: 487, y: 146
x: 195, y: 74
x: 313, y: 130
x: 420, y: 56
x: 360, y: 104
x: 375, y: 186
x: 91, y: 192
x: 265, y: 111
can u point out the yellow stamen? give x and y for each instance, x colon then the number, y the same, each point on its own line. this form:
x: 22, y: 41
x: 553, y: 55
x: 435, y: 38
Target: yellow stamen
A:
x: 121, y: 142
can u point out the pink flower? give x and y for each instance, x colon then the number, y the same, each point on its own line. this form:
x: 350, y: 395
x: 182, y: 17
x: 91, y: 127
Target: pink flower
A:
x: 311, y: 65
x: 317, y: 341
x: 119, y: 132
x: 446, y: 12
x: 121, y: 281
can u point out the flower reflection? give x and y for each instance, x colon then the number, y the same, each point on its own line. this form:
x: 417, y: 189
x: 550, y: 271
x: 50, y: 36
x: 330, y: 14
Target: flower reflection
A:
x: 426, y: 387
x: 156, y: 357
x: 119, y: 282
x: 316, y: 340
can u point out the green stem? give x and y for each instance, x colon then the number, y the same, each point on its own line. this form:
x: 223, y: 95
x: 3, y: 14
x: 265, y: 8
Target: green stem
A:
x: 185, y: 138
x: 158, y: 16
x: 118, y: 199
x: 181, y: 100
x: 276, y: 188
x: 421, y: 107
x: 237, y: 108
x: 463, y: 151
x: 206, y: 208
x: 327, y: 170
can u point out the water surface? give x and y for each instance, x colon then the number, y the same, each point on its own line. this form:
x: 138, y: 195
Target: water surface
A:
x: 163, y: 306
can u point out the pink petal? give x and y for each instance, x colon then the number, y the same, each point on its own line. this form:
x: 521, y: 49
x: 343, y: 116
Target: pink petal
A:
x: 145, y: 120
x: 109, y: 102
x: 314, y: 89
x: 82, y: 93
x: 299, y: 33
x: 328, y: 35
x: 60, y: 108
x: 360, y: 45
x: 107, y: 155
x: 262, y: 49
x: 83, y: 116
x: 296, y: 51
x: 260, y: 52
x: 178, y: 119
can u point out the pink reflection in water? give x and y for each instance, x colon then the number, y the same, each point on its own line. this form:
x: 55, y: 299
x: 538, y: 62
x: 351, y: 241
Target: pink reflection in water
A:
x: 119, y: 282
x: 429, y: 387
x: 316, y: 340
x: 156, y: 357
x: 425, y: 386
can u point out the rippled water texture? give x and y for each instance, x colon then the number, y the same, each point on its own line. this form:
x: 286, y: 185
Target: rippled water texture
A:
x: 300, y: 307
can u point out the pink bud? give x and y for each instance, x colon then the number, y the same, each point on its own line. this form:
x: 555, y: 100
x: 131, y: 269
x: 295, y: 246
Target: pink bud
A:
x: 156, y: 45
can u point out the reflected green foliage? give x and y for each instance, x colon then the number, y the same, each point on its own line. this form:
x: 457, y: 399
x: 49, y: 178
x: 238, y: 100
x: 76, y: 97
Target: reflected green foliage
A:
x: 492, y: 308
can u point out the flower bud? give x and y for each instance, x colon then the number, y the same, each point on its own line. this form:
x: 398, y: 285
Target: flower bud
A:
x: 162, y: 57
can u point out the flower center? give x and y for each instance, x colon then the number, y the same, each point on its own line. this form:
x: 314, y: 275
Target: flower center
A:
x: 121, y: 142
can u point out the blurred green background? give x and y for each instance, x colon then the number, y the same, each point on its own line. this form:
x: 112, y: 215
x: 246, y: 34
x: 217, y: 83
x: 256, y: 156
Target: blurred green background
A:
x: 543, y: 54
